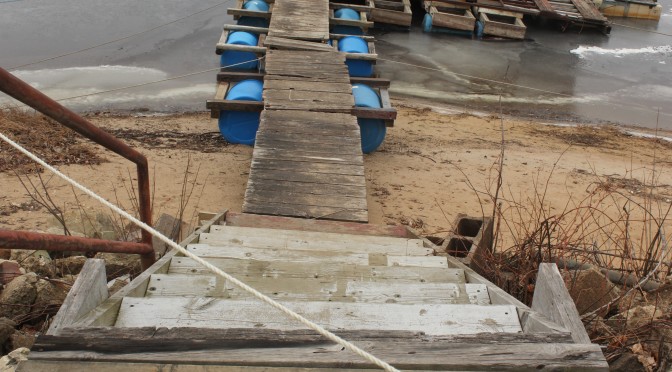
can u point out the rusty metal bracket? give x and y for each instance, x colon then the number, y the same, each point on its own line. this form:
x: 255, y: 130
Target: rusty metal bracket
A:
x: 30, y: 96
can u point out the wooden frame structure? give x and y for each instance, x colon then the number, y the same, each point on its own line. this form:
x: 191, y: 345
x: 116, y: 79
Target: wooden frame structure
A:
x: 222, y: 46
x: 224, y: 83
x: 453, y: 16
x: 501, y: 23
x: 238, y: 11
x: 226, y: 78
x: 382, y: 12
x: 363, y: 22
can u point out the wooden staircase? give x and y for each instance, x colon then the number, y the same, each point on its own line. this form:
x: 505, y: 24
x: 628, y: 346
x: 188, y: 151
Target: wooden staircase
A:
x: 388, y: 294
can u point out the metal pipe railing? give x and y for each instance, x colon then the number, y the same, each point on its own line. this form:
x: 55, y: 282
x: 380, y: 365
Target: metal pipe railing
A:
x: 30, y: 96
x: 12, y: 239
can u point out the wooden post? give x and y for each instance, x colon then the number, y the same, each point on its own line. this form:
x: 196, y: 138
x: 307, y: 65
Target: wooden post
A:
x: 552, y: 299
x: 89, y: 291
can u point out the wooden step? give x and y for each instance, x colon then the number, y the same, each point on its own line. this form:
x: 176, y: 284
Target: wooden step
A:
x: 433, y: 319
x: 315, y: 235
x: 318, y: 257
x: 308, y: 240
x: 310, y: 289
x: 244, y: 269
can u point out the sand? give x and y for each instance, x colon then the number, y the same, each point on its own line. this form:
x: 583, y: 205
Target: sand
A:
x: 434, y: 164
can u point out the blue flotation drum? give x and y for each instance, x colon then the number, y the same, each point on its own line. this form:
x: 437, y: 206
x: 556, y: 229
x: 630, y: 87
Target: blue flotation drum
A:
x: 356, y: 67
x: 238, y: 58
x: 347, y: 13
x: 372, y: 130
x: 257, y: 5
x: 238, y: 126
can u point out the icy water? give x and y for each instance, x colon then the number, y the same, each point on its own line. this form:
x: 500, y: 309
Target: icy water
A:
x: 624, y: 77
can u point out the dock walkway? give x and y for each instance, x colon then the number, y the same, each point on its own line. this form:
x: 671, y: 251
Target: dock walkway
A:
x: 307, y: 159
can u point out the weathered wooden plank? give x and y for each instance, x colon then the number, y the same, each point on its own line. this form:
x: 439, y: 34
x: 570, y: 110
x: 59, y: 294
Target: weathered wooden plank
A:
x: 248, y: 13
x: 308, y: 177
x: 335, y: 120
x: 394, y: 17
x: 273, y: 96
x: 433, y: 319
x: 307, y: 211
x: 249, y: 270
x: 280, y: 153
x: 314, y: 256
x: 552, y: 299
x: 501, y: 356
x: 309, y: 86
x: 408, y: 248
x: 340, y: 290
x: 232, y: 76
x: 224, y: 104
x: 286, y: 165
x: 255, y: 196
x: 306, y: 146
x: 478, y: 294
x: 88, y: 291
x: 288, y: 223
x: 310, y: 237
x: 306, y: 129
x: 589, y: 11
x: 292, y: 44
x: 301, y: 19
x: 283, y: 187
x: 349, y: 145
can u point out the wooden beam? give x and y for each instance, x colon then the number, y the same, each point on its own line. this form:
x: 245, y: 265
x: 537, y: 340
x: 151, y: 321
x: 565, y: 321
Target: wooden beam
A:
x: 248, y: 13
x: 89, y: 291
x: 229, y: 105
x: 485, y: 352
x: 254, y: 30
x: 372, y: 82
x: 374, y: 113
x: 552, y: 299
x: 238, y: 76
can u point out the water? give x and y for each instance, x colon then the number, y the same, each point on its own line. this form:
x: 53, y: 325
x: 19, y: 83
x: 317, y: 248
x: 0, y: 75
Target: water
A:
x: 623, y: 78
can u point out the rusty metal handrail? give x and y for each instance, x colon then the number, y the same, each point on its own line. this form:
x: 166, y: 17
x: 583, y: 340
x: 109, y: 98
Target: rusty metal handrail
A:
x: 21, y: 91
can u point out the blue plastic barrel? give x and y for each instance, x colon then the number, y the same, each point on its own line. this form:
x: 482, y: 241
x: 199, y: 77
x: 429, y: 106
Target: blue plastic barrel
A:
x: 258, y: 5
x: 427, y: 23
x: 372, y: 130
x: 239, y: 126
x: 236, y: 57
x: 347, y: 13
x: 356, y: 67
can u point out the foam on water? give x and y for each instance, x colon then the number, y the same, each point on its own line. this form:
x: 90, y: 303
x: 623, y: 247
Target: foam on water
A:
x: 584, y: 51
x: 417, y: 90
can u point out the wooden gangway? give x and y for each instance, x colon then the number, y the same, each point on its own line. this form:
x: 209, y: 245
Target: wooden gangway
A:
x: 307, y: 159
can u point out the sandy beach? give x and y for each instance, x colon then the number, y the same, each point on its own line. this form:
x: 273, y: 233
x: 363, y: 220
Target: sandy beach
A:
x: 434, y: 164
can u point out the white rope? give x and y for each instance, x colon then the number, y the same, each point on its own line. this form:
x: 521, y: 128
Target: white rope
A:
x: 290, y: 313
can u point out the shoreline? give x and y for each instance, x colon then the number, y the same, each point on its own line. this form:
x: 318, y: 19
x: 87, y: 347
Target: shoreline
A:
x: 439, y: 107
